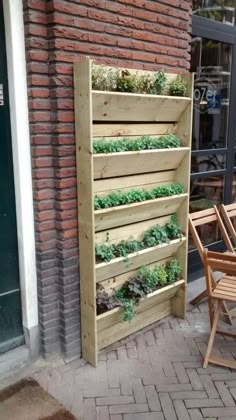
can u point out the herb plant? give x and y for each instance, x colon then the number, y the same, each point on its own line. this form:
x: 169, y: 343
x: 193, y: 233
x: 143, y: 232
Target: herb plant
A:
x: 147, y: 280
x: 119, y: 80
x: 134, y: 196
x: 140, y: 143
x: 178, y: 87
x: 152, y: 237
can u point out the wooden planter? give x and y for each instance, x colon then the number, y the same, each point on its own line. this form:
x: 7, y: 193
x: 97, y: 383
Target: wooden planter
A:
x: 110, y: 115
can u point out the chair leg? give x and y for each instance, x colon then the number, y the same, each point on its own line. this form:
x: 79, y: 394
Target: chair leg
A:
x: 212, y: 335
x: 199, y: 297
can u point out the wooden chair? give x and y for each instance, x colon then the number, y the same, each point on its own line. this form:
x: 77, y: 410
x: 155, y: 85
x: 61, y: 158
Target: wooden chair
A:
x: 202, y: 218
x: 228, y: 211
x: 224, y: 290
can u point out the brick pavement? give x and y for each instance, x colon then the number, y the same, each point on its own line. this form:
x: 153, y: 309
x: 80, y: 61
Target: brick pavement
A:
x: 154, y: 375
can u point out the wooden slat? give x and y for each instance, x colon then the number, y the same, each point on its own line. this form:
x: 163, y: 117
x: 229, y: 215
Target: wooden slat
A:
x: 117, y: 106
x: 123, y: 130
x: 145, y: 257
x: 156, y: 306
x: 132, y: 231
x: 83, y: 113
x: 131, y: 163
x: 136, y: 212
x: 144, y: 181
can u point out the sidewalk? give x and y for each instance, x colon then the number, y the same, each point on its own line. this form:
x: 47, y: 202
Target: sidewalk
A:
x: 154, y: 375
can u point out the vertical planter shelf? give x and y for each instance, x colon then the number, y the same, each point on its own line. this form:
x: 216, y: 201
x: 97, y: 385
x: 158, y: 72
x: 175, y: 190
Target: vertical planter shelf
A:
x: 111, y: 115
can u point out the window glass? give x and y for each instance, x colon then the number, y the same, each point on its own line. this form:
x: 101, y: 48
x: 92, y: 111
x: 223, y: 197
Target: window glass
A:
x: 219, y: 10
x: 211, y: 64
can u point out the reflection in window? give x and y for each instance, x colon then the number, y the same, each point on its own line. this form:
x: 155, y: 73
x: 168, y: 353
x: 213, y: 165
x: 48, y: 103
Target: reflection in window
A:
x: 204, y: 193
x: 211, y: 63
x: 207, y: 163
x: 219, y: 10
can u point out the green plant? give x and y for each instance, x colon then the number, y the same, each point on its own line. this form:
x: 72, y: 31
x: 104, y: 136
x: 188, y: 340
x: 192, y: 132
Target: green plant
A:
x: 140, y: 143
x: 178, y: 87
x: 152, y: 237
x: 173, y: 229
x: 126, y: 82
x: 147, y: 280
x: 173, y: 270
x: 133, y: 196
x: 159, y: 83
x: 129, y: 310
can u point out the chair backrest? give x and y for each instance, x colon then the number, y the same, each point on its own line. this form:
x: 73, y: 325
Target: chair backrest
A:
x: 227, y: 212
x: 216, y: 261
x: 204, y: 217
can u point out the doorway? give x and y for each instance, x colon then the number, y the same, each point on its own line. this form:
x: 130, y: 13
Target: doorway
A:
x: 213, y: 61
x: 11, y: 331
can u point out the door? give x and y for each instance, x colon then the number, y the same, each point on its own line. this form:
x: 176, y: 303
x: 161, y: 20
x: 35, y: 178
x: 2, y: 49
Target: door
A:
x: 10, y: 299
x: 213, y: 61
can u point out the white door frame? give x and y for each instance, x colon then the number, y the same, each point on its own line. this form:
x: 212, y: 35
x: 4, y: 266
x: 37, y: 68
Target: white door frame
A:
x: 17, y: 81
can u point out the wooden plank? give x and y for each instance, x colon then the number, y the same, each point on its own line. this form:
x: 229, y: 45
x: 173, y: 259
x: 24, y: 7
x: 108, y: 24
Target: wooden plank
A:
x: 83, y: 118
x: 123, y: 130
x: 119, y: 106
x: 131, y: 163
x: 136, y: 212
x: 156, y: 306
x: 145, y: 181
x: 147, y: 256
x: 133, y: 231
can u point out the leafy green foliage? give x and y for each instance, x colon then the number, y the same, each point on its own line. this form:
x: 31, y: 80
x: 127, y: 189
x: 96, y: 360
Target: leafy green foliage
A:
x: 129, y: 310
x: 173, y: 230
x: 146, y: 142
x: 178, y: 87
x: 133, y: 196
x: 152, y: 237
x: 104, y: 78
x: 147, y: 280
x: 173, y: 270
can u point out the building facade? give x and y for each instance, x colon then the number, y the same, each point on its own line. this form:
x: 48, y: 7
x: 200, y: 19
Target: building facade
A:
x: 40, y: 42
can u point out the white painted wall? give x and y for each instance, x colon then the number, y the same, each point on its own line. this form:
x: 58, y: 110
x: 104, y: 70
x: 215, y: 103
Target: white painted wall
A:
x: 14, y: 29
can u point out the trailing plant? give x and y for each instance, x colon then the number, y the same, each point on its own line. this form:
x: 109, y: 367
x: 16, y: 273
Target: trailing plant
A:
x: 178, y: 87
x: 152, y: 237
x: 140, y: 143
x: 134, y: 196
x: 147, y: 280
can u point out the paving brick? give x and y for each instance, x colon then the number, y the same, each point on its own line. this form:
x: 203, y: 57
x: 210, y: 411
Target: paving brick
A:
x: 144, y: 416
x: 103, y: 413
x: 233, y: 392
x: 122, y: 354
x: 187, y: 395
x: 116, y: 417
x: 114, y: 400
x: 90, y: 412
x: 203, y: 403
x: 194, y: 379
x: 128, y: 408
x: 99, y: 392
x: 195, y: 414
x: 219, y: 412
x: 181, y: 410
x: 225, y: 394
x: 160, y: 380
x: 174, y: 387
x: 139, y: 392
x: 132, y: 353
x: 152, y: 398
x: 167, y: 406
x: 181, y: 373
x: 209, y: 386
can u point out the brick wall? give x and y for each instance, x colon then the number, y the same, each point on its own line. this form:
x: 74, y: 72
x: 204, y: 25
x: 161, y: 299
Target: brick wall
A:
x: 141, y: 34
